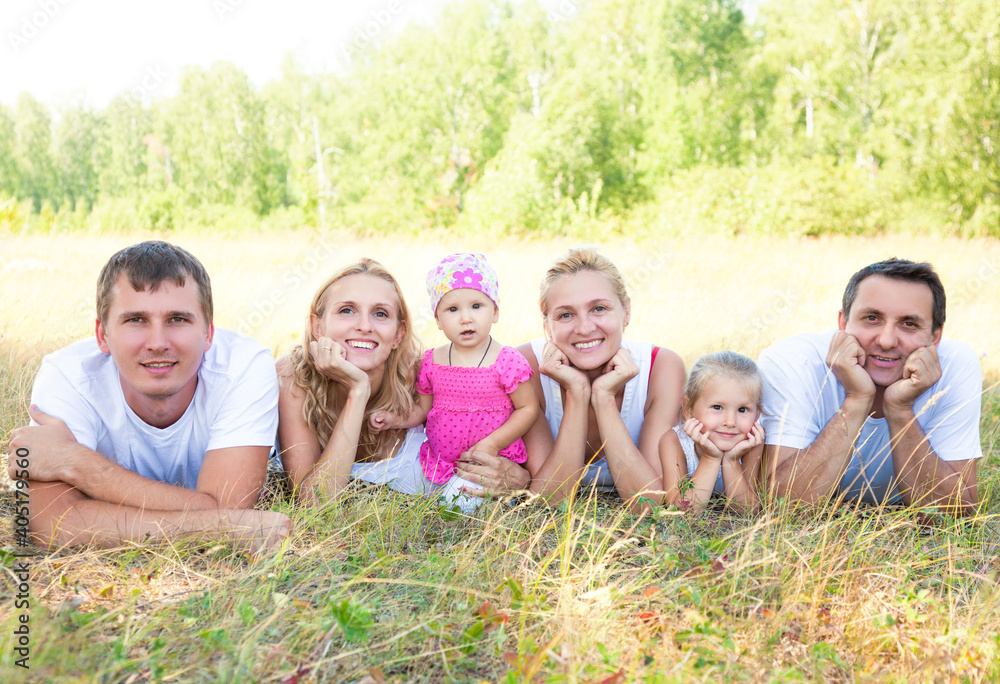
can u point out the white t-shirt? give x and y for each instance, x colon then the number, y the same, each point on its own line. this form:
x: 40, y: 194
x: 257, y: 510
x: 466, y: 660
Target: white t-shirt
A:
x: 235, y: 404
x: 801, y: 395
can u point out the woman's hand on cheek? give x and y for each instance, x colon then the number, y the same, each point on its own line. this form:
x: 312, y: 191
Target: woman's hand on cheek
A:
x: 617, y: 372
x: 555, y: 364
x: 331, y: 361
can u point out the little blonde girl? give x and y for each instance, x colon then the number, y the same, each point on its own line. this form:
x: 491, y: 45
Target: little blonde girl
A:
x: 720, y: 443
x: 473, y: 392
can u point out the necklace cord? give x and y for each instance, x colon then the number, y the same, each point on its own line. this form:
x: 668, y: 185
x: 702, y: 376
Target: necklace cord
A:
x: 451, y: 346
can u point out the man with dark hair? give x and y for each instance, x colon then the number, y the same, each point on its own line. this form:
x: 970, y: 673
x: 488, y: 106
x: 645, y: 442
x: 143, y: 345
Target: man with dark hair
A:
x: 160, y: 426
x: 882, y: 409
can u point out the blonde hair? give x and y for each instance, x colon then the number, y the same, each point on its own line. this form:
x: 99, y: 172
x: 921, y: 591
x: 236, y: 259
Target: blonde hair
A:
x: 582, y: 259
x: 320, y: 408
x: 729, y: 364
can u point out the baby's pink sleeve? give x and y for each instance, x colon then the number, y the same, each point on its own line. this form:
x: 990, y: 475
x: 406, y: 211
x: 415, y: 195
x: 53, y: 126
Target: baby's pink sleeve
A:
x: 513, y: 369
x: 424, y: 384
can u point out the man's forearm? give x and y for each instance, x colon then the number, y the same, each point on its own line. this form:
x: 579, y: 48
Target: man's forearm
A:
x: 922, y: 477
x: 814, y: 472
x: 61, y: 516
x: 104, y: 480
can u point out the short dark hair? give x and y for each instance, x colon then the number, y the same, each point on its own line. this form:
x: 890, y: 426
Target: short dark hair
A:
x: 147, y: 265
x: 901, y: 269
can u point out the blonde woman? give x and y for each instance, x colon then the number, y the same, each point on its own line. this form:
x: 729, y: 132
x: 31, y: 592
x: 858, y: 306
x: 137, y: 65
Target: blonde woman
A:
x: 606, y: 401
x: 359, y: 356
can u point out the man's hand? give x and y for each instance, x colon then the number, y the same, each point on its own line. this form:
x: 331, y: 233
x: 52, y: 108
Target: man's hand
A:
x: 921, y: 370
x: 49, y: 445
x: 846, y: 358
x: 257, y: 531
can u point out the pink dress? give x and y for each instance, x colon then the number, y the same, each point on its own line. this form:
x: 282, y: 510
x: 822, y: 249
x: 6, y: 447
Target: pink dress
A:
x: 469, y: 404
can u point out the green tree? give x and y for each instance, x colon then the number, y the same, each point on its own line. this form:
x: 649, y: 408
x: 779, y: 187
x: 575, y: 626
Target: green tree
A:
x: 121, y: 159
x: 697, y: 85
x: 10, y: 182
x: 572, y: 150
x: 77, y: 139
x: 948, y: 116
x: 834, y: 86
x: 418, y: 121
x: 33, y: 151
x: 214, y: 132
x: 297, y: 117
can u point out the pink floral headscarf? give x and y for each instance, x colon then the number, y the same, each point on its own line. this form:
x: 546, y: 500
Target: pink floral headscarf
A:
x: 462, y: 272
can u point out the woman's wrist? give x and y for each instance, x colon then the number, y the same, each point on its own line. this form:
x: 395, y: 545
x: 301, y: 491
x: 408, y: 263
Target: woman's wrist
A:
x: 317, y: 485
x: 359, y: 391
x: 579, y: 390
x: 602, y: 397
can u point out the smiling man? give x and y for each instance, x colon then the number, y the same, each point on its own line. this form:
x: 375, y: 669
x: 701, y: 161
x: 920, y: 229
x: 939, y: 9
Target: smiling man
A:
x: 882, y: 409
x: 160, y: 425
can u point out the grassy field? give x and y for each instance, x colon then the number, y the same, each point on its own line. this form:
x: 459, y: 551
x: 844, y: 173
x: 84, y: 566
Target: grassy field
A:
x: 381, y: 587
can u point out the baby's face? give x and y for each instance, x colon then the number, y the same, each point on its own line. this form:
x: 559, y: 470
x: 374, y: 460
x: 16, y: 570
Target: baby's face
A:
x: 466, y: 317
x: 727, y: 409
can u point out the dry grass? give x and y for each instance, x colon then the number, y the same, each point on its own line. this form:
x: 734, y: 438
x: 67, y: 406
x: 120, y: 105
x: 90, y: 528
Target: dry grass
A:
x: 387, y: 586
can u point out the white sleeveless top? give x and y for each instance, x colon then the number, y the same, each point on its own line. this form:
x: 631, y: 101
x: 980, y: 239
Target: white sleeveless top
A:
x: 402, y: 472
x: 633, y: 406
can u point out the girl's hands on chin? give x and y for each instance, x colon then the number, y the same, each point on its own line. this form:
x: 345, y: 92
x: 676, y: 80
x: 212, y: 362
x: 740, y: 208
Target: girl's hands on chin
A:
x: 617, y: 372
x: 693, y: 428
x: 556, y: 365
x: 331, y: 361
x: 754, y: 439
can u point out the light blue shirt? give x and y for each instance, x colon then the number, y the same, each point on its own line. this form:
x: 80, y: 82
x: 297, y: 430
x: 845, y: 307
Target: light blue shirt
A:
x: 801, y: 395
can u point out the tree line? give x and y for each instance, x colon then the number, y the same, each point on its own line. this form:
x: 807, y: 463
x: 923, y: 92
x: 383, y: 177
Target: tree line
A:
x: 818, y: 116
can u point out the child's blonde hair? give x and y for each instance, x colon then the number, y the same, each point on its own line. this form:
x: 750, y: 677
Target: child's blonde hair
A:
x: 729, y: 364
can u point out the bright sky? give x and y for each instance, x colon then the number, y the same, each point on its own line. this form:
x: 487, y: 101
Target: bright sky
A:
x: 62, y: 50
